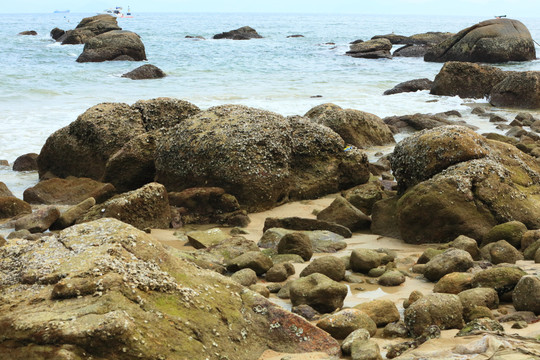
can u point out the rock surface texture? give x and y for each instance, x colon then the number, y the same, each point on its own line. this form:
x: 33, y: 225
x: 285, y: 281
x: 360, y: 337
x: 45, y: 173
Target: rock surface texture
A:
x: 113, y: 45
x: 260, y: 157
x: 107, y: 290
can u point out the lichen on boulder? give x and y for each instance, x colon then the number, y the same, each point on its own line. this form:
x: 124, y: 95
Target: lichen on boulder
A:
x: 106, y: 290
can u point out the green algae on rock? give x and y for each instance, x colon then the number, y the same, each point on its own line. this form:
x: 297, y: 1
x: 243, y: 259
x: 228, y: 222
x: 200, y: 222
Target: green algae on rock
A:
x: 107, y: 290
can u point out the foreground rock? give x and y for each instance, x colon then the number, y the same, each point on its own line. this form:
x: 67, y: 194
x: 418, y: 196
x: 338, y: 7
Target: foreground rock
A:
x: 147, y: 207
x: 465, y: 189
x: 260, y: 157
x: 243, y: 33
x: 491, y: 41
x: 88, y: 28
x: 113, y: 45
x: 357, y: 128
x: 371, y: 49
x: 145, y: 72
x: 124, y: 294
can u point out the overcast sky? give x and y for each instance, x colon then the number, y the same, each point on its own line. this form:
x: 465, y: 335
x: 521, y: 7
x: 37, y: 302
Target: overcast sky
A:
x: 487, y: 8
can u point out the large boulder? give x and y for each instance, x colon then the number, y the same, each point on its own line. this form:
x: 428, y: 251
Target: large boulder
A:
x: 147, y: 207
x: 356, y: 127
x: 86, y: 29
x: 107, y: 290
x: 454, y: 182
x: 490, y: 41
x: 83, y: 148
x: 519, y: 90
x: 426, y: 153
x: 371, y: 49
x: 318, y: 291
x: 243, y: 33
x: 113, y: 45
x: 466, y: 80
x: 443, y: 310
x: 260, y: 157
x: 69, y: 191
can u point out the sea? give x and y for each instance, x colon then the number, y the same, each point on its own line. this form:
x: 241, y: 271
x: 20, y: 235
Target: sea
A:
x: 43, y: 88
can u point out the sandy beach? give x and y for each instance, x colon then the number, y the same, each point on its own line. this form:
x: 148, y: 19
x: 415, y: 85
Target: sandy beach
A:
x: 442, y: 348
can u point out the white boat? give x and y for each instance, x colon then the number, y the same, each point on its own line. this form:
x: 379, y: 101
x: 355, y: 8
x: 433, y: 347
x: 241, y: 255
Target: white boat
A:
x: 117, y: 11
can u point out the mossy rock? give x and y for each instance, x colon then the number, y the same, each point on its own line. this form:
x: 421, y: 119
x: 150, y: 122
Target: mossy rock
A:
x: 502, y: 279
x: 511, y: 231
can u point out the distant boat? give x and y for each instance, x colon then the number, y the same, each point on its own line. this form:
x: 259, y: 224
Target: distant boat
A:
x: 117, y: 11
x: 500, y: 16
x: 61, y: 11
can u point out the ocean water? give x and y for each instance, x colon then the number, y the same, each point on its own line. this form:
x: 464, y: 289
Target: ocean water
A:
x: 43, y: 88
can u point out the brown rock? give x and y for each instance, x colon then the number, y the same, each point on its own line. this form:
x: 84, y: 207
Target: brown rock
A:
x: 11, y: 206
x: 26, y: 162
x: 39, y: 221
x: 69, y: 191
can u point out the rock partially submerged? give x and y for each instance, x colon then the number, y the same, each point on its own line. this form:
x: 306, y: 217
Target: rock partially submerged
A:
x: 243, y: 33
x: 491, y: 41
x: 410, y: 86
x: 119, y: 45
x: 145, y: 72
x: 107, y: 290
x: 88, y: 28
x: 371, y: 49
x: 466, y: 80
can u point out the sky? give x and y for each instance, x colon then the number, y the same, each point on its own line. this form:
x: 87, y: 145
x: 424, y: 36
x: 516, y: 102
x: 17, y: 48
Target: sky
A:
x: 487, y: 8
